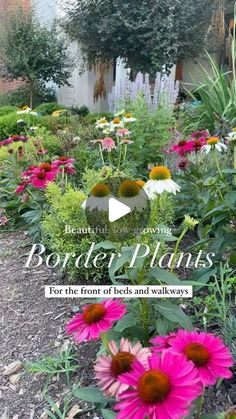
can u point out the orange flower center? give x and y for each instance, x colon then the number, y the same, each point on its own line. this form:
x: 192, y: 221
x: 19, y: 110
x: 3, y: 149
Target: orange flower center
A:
x: 41, y: 175
x: 212, y: 140
x: 116, y: 121
x: 94, y: 313
x: 45, y: 166
x: 141, y: 183
x: 121, y: 363
x: 160, y: 173
x: 153, y: 386
x: 100, y: 190
x: 197, y: 353
x: 63, y: 158
x: 128, y: 189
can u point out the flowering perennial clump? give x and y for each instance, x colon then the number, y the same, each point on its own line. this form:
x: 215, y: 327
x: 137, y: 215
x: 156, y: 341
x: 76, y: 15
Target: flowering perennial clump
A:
x: 39, y: 176
x: 157, y: 382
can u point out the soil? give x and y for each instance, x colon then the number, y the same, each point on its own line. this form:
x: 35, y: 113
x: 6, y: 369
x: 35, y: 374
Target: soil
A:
x: 32, y: 327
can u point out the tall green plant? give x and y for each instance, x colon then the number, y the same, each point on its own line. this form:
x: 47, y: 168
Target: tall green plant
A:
x: 217, y: 92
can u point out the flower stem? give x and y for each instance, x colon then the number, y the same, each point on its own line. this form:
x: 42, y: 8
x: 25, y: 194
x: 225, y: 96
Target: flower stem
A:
x: 101, y: 154
x: 145, y: 316
x: 201, y: 402
x: 104, y: 340
x: 217, y: 165
x: 177, y: 247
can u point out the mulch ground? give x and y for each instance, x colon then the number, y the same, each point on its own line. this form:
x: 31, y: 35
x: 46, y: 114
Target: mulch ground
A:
x: 32, y: 327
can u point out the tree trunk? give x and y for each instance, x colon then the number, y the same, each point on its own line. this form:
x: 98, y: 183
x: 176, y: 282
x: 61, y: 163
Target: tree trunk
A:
x: 31, y: 94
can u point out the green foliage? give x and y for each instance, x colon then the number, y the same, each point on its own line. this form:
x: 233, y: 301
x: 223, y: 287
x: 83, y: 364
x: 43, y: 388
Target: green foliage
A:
x: 64, y: 363
x: 216, y: 92
x: 150, y: 134
x: 5, y: 110
x: 48, y: 108
x: 32, y: 51
x: 65, y: 210
x: 9, y: 126
x: 139, y: 31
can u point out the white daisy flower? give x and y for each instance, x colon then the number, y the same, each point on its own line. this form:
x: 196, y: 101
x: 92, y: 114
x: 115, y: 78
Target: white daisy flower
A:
x: 213, y: 143
x: 117, y: 123
x: 98, y: 199
x: 231, y: 136
x: 102, y: 123
x: 160, y: 181
x: 129, y: 118
x: 131, y: 194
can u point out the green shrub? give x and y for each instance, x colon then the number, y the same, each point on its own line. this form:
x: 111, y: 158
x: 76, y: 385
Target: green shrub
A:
x: 5, y: 110
x: 65, y: 209
x: 9, y: 126
x: 48, y: 108
x: 80, y: 111
x: 93, y: 117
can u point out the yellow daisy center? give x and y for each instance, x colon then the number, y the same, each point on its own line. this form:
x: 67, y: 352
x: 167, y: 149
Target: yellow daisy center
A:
x: 128, y: 115
x: 153, y: 386
x: 94, y: 313
x: 121, y: 363
x: 103, y: 121
x: 197, y: 353
x: 116, y: 121
x: 128, y: 189
x: 160, y: 173
x: 100, y: 190
x: 212, y: 140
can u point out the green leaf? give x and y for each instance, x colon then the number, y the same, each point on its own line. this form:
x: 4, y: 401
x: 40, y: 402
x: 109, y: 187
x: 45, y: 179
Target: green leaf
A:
x: 164, y: 276
x: 173, y: 313
x: 108, y: 414
x: 105, y: 245
x: 127, y: 321
x: 89, y: 394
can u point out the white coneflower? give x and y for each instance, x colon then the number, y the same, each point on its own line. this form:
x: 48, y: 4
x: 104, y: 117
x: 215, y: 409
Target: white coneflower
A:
x: 131, y: 194
x: 159, y: 182
x: 98, y: 199
x: 102, y: 123
x: 129, y: 118
x: 117, y: 123
x: 213, y: 143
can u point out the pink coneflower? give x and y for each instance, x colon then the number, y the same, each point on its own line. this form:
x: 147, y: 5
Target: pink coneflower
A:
x: 210, y: 356
x: 122, y: 132
x: 22, y: 186
x: 63, y: 161
x: 69, y: 170
x: 7, y: 141
x: 199, y: 134
x: 42, y: 151
x: 183, y: 163
x: 126, y: 141
x: 3, y: 220
x: 161, y: 343
x: 95, y: 319
x: 29, y: 171
x: 120, y: 361
x: 108, y: 144
x: 165, y: 390
x: 42, y: 175
x: 182, y: 147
